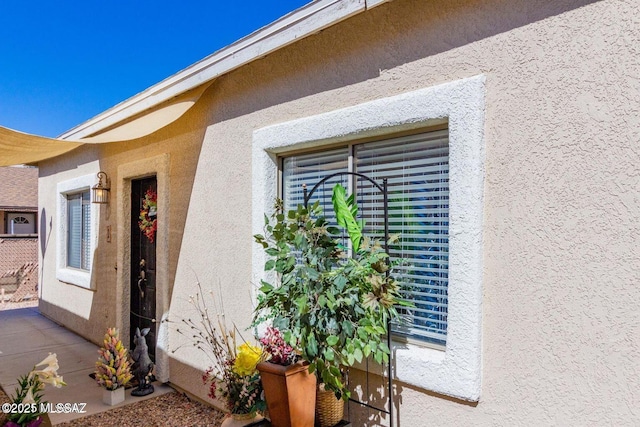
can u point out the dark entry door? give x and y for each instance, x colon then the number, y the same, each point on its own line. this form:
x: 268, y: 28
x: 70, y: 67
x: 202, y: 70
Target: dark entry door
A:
x: 144, y: 223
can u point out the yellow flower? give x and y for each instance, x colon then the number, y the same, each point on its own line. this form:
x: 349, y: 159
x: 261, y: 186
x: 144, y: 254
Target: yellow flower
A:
x: 247, y: 359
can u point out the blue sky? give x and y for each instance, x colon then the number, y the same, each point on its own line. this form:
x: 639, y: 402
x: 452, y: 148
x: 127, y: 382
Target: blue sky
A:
x: 63, y: 62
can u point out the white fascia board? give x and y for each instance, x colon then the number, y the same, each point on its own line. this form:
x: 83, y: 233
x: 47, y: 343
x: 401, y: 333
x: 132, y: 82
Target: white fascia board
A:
x: 303, y: 22
x: 374, y: 3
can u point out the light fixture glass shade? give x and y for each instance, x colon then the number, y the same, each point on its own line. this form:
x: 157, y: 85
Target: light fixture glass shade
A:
x: 101, y: 190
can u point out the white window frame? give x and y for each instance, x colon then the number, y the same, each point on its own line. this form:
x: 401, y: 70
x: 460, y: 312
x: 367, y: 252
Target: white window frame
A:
x: 456, y: 370
x: 64, y: 273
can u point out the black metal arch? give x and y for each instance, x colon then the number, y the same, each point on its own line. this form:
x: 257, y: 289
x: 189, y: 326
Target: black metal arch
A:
x: 384, y: 190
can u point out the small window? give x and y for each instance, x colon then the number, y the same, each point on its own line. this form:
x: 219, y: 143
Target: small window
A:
x: 77, y: 227
x: 79, y: 230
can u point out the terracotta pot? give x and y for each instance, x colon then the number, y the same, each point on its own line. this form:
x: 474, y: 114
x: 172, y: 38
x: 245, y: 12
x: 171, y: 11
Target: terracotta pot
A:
x: 290, y: 392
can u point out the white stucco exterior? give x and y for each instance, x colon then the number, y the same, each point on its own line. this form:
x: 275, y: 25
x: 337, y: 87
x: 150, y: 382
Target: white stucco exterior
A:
x: 541, y: 100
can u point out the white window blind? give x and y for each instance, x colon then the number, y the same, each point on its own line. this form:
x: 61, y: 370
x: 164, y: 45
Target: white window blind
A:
x: 417, y: 172
x: 79, y: 230
x: 309, y: 169
x: 86, y: 231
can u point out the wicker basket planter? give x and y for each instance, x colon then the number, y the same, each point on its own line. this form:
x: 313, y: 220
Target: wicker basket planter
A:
x: 329, y: 409
x: 290, y: 392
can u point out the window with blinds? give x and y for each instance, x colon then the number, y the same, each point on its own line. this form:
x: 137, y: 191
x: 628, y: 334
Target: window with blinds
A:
x: 417, y: 171
x: 79, y: 230
x: 309, y: 169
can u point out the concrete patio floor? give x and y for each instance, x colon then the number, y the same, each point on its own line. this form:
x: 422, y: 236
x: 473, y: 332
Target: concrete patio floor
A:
x: 27, y: 337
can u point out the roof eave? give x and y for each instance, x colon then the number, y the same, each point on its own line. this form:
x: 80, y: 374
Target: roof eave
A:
x: 303, y: 22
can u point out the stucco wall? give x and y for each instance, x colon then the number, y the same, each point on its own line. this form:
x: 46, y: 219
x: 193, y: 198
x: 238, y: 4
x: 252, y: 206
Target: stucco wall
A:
x: 560, y: 222
x: 90, y: 311
x: 559, y: 323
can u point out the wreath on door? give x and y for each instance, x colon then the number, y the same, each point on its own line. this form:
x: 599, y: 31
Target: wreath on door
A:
x: 148, y: 222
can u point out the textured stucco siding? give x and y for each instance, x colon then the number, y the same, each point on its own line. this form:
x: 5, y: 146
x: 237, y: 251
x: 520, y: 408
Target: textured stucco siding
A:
x: 560, y: 223
x: 90, y: 311
x: 559, y: 317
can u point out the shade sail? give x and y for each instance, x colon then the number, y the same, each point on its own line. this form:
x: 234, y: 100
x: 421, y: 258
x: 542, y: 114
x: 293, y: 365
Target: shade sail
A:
x: 18, y: 147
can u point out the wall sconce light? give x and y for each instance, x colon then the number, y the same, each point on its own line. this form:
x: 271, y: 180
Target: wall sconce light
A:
x: 101, y: 191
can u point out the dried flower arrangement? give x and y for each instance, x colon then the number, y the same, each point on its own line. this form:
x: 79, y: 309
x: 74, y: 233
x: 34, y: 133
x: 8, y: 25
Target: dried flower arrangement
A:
x: 148, y: 222
x: 232, y: 376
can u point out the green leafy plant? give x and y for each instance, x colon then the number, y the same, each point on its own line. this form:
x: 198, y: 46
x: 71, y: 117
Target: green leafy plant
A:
x: 332, y: 308
x: 113, y: 369
x: 346, y: 212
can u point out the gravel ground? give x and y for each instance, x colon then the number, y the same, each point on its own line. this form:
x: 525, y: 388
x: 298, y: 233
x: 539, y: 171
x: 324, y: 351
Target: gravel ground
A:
x: 3, y: 399
x: 169, y: 410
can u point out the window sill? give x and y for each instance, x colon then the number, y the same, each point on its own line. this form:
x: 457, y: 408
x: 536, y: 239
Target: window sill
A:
x: 74, y: 276
x: 428, y: 367
x: 437, y: 371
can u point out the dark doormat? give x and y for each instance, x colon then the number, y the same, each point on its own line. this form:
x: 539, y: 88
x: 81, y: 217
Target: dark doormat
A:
x: 131, y: 384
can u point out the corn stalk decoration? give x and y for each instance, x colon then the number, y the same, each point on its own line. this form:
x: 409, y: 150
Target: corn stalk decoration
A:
x: 112, y: 368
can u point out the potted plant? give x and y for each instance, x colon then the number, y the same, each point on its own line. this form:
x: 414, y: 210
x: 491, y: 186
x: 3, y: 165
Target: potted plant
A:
x: 232, y: 377
x: 333, y: 308
x: 28, y: 402
x: 113, y: 370
x: 289, y: 388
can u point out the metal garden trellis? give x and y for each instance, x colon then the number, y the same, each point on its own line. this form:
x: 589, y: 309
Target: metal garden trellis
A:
x: 383, y: 190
